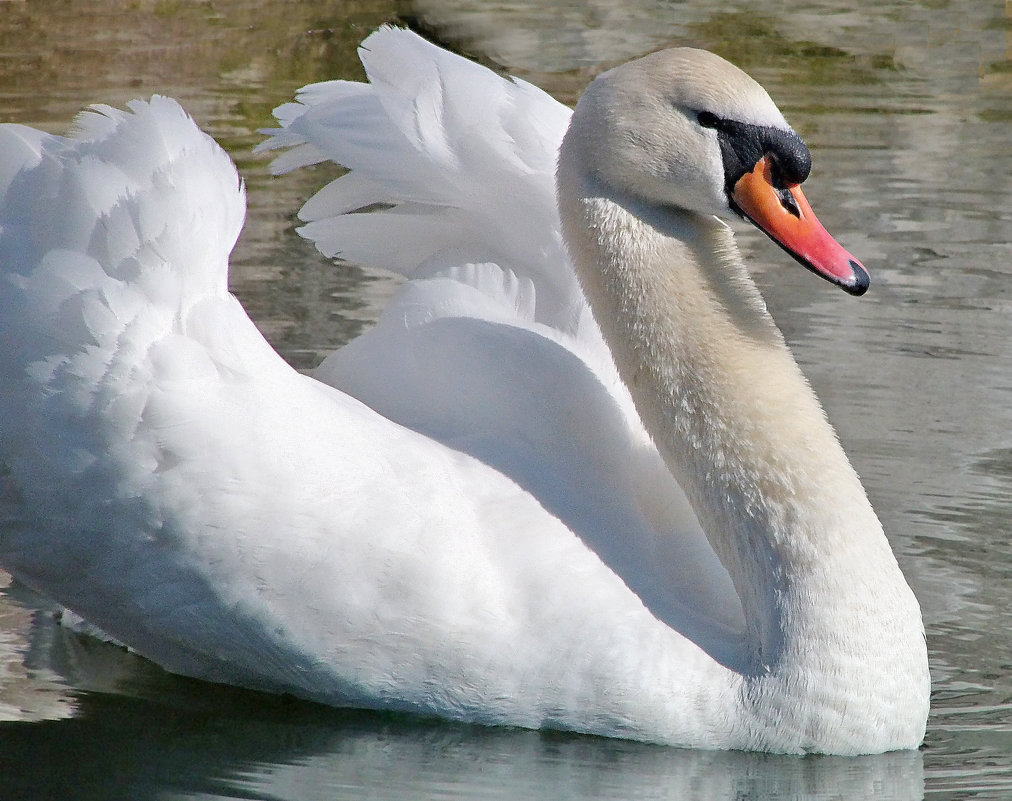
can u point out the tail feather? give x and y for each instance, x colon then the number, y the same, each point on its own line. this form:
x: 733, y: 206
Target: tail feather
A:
x: 351, y: 192
x: 127, y: 221
x: 450, y: 164
x: 123, y: 186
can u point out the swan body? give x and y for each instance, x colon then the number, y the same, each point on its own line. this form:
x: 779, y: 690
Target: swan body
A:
x: 573, y: 478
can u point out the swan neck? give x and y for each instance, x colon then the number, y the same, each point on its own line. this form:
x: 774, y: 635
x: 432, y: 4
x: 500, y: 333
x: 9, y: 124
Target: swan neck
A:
x: 714, y: 383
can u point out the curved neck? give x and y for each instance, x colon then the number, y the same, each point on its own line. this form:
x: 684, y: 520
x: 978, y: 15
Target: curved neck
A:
x: 730, y: 412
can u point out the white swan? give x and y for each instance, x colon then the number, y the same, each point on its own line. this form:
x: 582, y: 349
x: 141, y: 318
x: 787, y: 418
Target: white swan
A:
x: 490, y: 533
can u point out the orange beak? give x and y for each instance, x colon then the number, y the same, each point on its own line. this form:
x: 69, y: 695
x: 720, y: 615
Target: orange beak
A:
x: 785, y: 216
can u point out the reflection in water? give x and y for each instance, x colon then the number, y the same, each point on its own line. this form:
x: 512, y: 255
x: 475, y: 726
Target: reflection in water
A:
x: 354, y: 755
x: 140, y: 733
x: 30, y: 689
x: 906, y: 107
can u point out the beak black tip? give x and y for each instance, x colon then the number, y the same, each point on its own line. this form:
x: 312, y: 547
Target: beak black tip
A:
x: 861, y: 279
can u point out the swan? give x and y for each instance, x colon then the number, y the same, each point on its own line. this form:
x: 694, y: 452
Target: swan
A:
x: 573, y: 478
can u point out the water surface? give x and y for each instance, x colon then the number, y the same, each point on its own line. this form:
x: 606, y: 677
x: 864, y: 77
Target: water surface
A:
x: 907, y: 108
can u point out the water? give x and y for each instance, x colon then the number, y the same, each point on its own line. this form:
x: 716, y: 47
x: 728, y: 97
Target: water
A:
x: 907, y: 107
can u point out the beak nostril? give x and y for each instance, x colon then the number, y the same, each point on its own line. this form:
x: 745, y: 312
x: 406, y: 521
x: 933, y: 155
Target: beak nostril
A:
x: 788, y: 202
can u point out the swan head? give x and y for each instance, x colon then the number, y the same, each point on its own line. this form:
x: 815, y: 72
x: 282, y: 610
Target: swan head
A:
x: 684, y: 128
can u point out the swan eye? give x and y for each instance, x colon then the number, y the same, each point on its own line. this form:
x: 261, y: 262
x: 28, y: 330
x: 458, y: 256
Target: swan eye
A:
x: 708, y: 119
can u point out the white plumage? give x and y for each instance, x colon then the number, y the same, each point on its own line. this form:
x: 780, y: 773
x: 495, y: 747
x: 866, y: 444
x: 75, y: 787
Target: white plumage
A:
x: 461, y: 514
